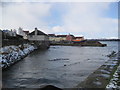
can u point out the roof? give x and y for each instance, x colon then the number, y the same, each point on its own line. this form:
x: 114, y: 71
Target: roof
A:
x: 26, y: 32
x: 71, y: 35
x: 78, y: 37
x: 19, y: 36
x: 38, y: 32
x: 61, y: 35
x: 5, y: 30
x: 52, y: 35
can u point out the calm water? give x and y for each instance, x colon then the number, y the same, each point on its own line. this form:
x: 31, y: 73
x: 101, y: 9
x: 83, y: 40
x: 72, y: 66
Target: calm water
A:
x: 62, y: 66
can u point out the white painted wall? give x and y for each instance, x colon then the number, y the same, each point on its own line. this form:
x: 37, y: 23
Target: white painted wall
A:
x: 38, y: 37
x: 57, y: 38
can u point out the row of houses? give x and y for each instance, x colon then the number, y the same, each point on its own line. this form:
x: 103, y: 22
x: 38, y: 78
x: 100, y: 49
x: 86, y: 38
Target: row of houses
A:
x: 40, y: 36
x: 69, y: 37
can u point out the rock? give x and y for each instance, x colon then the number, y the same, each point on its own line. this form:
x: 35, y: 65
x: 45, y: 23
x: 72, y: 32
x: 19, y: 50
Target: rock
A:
x: 65, y: 65
x: 105, y: 71
x: 105, y: 75
x: 97, y: 83
x: 50, y: 87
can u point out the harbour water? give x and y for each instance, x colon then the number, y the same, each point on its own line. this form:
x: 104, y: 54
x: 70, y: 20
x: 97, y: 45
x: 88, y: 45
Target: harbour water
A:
x: 61, y: 66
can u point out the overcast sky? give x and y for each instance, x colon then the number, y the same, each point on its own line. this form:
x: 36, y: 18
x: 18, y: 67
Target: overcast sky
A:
x: 90, y: 19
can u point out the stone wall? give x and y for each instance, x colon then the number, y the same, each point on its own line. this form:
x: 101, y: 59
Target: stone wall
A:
x: 11, y: 54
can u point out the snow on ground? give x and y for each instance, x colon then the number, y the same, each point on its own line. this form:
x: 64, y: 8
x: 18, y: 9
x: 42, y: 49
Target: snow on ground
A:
x: 12, y: 54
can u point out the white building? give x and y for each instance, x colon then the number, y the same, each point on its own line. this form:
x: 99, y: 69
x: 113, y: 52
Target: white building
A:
x: 23, y: 33
x: 20, y: 31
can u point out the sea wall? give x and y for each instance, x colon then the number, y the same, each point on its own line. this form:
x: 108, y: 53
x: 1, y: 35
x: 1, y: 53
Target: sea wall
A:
x: 105, y: 76
x: 11, y: 54
x: 115, y: 81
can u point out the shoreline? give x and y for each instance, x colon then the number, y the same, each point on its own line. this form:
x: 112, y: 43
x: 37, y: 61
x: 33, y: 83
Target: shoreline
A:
x: 80, y: 43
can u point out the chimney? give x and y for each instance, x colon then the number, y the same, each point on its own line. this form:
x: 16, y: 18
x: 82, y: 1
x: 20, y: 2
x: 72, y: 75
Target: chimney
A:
x: 35, y: 31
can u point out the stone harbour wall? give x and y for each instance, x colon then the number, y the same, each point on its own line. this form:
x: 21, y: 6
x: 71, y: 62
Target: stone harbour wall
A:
x: 106, y: 77
x: 11, y: 54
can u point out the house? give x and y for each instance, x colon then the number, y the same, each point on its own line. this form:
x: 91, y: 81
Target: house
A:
x: 64, y: 37
x: 38, y: 35
x: 10, y: 33
x: 20, y: 31
x: 39, y: 38
x: 52, y: 37
x: 60, y: 38
x: 69, y: 37
x: 23, y: 33
x: 26, y: 32
x: 78, y: 38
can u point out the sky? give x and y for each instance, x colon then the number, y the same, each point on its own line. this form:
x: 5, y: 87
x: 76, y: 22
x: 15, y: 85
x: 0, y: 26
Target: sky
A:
x: 88, y: 19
